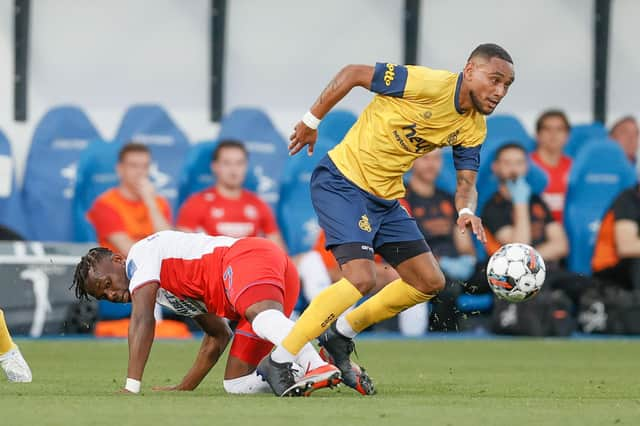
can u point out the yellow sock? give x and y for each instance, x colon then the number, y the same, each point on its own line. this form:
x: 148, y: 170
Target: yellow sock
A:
x: 6, y: 344
x: 324, y: 309
x: 394, y: 298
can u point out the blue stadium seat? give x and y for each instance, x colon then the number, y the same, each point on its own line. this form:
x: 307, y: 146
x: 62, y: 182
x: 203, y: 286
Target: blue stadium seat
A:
x: 49, y: 180
x: 267, y: 149
x: 11, y: 212
x: 196, y: 171
x: 96, y: 173
x: 152, y: 126
x: 336, y: 124
x: 506, y: 128
x: 600, y: 172
x: 296, y: 216
x: 582, y: 134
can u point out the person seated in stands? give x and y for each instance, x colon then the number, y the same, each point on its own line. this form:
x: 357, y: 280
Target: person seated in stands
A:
x: 552, y: 134
x: 616, y: 258
x: 130, y: 212
x: 625, y: 131
x: 515, y: 215
x: 435, y: 213
x: 227, y: 208
x: 8, y: 234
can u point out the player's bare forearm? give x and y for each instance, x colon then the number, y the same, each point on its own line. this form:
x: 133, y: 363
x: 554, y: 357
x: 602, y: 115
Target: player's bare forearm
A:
x: 346, y: 79
x: 141, y: 329
x: 208, y: 355
x: 466, y: 193
x: 217, y: 337
x: 467, y: 198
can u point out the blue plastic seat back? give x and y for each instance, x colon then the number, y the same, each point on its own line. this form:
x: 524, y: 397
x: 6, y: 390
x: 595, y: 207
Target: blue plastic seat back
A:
x: 11, y: 211
x: 50, y: 176
x: 154, y: 127
x: 336, y: 124
x: 296, y: 216
x: 582, y: 134
x: 267, y: 149
x: 96, y: 174
x: 600, y: 172
x: 505, y: 128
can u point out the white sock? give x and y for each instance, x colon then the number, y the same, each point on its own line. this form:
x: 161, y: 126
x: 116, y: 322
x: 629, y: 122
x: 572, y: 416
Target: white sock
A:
x: 344, y: 328
x: 413, y: 321
x: 273, y: 326
x: 251, y: 383
x: 313, y: 274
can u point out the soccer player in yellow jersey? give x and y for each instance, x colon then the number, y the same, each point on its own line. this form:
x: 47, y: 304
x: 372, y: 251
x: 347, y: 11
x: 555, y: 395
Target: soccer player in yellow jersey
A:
x: 355, y: 190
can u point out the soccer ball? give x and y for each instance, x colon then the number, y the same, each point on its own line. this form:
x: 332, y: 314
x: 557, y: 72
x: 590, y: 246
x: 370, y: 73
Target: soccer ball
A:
x: 516, y: 272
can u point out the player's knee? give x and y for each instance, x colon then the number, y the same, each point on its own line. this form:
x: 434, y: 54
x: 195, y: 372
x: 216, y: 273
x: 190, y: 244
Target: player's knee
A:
x: 432, y: 284
x: 361, y: 273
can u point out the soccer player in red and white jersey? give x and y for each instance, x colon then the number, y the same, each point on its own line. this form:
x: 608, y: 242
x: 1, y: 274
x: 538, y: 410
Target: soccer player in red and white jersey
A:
x: 227, y: 208
x: 552, y: 134
x: 248, y: 280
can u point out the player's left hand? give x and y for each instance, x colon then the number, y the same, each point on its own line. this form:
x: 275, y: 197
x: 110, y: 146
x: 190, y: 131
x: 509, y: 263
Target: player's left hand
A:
x: 475, y: 223
x: 302, y: 135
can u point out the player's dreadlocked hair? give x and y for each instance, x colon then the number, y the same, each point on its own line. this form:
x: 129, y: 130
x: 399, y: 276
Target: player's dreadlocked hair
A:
x: 87, y: 262
x: 491, y: 50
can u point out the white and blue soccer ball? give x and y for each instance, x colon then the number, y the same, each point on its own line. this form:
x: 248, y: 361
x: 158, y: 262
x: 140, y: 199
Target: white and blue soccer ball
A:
x: 516, y: 272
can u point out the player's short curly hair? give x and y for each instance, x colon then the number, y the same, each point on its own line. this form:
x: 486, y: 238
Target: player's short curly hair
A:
x: 491, y: 50
x: 87, y: 262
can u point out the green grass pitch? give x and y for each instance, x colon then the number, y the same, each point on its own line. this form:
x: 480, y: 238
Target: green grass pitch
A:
x: 421, y: 382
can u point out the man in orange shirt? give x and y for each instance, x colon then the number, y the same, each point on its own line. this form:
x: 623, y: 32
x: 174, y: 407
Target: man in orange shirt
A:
x: 227, y: 208
x: 616, y: 258
x: 130, y: 212
x: 552, y: 134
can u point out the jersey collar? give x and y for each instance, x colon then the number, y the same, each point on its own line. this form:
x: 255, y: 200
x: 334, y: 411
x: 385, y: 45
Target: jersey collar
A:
x: 456, y: 96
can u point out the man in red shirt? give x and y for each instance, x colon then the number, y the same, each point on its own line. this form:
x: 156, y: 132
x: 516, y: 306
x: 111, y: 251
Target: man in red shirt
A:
x: 133, y: 210
x: 249, y: 280
x: 227, y: 208
x: 552, y: 134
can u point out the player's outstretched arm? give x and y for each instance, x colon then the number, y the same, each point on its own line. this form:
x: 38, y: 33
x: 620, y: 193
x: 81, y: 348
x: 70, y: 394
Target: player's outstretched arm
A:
x: 466, y: 201
x: 216, y: 338
x: 348, y: 78
x: 141, y: 328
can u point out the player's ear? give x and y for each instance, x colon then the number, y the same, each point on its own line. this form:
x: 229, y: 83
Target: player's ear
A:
x: 468, y: 70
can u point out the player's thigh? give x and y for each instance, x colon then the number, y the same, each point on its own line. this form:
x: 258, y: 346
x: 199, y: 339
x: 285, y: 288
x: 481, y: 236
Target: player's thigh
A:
x: 247, y: 350
x: 342, y: 209
x: 254, y: 271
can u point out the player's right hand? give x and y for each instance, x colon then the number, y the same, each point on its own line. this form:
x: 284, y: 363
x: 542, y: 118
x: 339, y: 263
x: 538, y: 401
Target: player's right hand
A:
x: 302, y: 135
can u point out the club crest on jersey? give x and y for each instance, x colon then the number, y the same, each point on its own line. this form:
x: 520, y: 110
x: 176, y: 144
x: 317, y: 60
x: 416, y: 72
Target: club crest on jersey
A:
x: 216, y: 212
x: 250, y: 212
x: 363, y: 223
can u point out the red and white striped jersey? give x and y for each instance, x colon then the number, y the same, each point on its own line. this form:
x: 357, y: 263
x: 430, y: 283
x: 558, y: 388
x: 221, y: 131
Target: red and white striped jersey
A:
x: 188, y: 268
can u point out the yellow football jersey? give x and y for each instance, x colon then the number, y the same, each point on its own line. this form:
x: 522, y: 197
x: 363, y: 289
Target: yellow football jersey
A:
x: 415, y: 111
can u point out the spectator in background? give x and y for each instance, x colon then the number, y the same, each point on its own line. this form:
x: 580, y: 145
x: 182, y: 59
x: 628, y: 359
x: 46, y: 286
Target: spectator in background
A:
x: 514, y: 215
x: 128, y: 213
x: 435, y: 213
x: 625, y: 131
x: 616, y: 258
x: 227, y: 208
x: 552, y: 134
